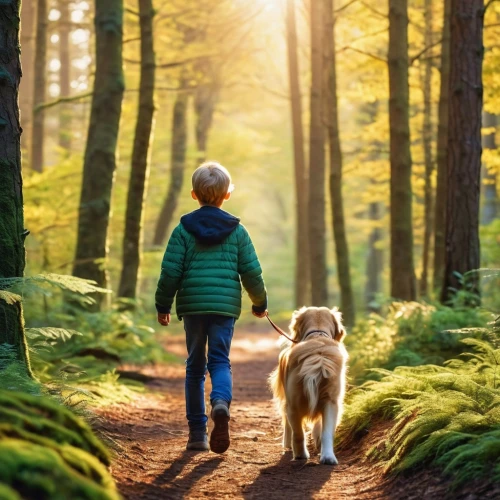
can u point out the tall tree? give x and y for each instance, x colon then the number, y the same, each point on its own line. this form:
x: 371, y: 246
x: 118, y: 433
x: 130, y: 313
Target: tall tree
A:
x: 100, y: 154
x: 39, y: 90
x: 464, y: 146
x: 337, y: 203
x: 427, y: 134
x: 316, y: 215
x: 442, y: 152
x: 28, y: 18
x: 301, y: 242
x: 12, y: 234
x: 206, y: 97
x: 490, y: 194
x: 133, y: 237
x: 374, y: 261
x: 64, y: 74
x: 177, y: 167
x: 403, y: 282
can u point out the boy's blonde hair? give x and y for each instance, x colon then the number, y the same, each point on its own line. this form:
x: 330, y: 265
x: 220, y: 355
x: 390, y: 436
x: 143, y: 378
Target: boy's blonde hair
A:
x: 211, y: 183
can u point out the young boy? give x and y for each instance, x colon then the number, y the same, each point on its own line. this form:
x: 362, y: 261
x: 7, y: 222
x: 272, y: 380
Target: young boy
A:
x: 209, y: 255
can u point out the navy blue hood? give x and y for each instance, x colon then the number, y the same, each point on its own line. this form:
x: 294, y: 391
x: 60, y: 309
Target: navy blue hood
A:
x: 210, y: 225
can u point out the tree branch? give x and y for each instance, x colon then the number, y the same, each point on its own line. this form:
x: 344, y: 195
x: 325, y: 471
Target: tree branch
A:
x: 424, y: 50
x: 61, y: 100
x: 359, y: 51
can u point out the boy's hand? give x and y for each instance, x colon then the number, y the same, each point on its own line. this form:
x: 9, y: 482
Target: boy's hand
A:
x: 164, y: 319
x: 260, y: 314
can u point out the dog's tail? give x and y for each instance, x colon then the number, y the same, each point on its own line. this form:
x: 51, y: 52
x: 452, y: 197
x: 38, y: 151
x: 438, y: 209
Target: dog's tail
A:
x: 316, y: 367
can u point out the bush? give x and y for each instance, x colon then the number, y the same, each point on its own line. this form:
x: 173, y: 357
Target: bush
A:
x: 411, y: 334
x: 447, y: 416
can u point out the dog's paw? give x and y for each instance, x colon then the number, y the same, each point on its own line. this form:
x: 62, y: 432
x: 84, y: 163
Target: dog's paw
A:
x: 328, y: 459
x: 301, y: 456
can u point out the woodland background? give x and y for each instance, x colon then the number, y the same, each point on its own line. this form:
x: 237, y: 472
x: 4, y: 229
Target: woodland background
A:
x: 362, y: 140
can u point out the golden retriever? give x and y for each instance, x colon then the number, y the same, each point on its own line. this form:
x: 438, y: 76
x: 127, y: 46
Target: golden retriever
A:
x: 309, y: 383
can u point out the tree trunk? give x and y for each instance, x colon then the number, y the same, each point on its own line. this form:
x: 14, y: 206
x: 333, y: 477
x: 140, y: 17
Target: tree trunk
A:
x: 337, y: 204
x: 205, y: 101
x: 64, y: 74
x: 28, y: 18
x: 374, y: 261
x: 442, y: 152
x: 133, y: 237
x: 302, y: 284
x: 490, y: 194
x: 428, y: 160
x: 178, y: 162
x: 403, y: 282
x: 462, y: 255
x: 12, y: 233
x: 39, y: 91
x: 316, y: 215
x: 100, y: 154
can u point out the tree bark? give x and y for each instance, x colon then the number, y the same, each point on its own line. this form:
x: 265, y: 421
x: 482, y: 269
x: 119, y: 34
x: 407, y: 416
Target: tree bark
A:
x: 205, y: 102
x: 100, y: 154
x: 374, y: 261
x: 302, y: 285
x: 403, y: 282
x: 39, y: 91
x: 462, y: 256
x: 337, y: 203
x: 133, y: 237
x: 442, y: 152
x: 28, y: 18
x: 490, y: 194
x: 12, y: 233
x: 65, y: 75
x: 428, y: 159
x: 178, y: 163
x: 316, y: 215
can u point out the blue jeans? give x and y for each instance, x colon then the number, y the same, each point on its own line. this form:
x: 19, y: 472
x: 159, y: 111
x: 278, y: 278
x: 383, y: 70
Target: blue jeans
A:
x: 218, y: 331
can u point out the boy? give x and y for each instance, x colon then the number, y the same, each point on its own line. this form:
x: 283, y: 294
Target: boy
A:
x: 208, y: 257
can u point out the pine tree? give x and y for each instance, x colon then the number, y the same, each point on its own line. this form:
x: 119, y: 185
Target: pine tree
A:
x: 12, y: 232
x: 403, y: 282
x: 100, y: 154
x: 337, y: 202
x: 133, y: 237
x: 39, y: 89
x: 302, y: 284
x: 317, y: 224
x: 462, y: 256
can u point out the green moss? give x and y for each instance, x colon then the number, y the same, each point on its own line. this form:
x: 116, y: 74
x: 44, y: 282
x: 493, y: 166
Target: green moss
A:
x: 45, y: 417
x: 7, y: 493
x: 40, y: 473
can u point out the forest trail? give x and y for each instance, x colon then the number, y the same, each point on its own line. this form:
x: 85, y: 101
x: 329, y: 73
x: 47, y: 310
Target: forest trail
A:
x: 150, y: 437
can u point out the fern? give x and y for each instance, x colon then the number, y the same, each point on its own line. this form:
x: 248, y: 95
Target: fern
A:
x: 443, y: 415
x: 81, y: 288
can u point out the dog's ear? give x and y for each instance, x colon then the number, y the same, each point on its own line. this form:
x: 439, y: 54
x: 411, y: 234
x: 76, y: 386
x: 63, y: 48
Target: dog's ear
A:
x: 340, y: 332
x: 296, y: 323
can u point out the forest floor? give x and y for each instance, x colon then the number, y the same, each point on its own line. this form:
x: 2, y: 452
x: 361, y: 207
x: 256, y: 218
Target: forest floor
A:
x: 149, y: 436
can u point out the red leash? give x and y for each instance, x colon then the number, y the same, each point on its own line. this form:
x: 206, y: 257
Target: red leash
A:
x: 279, y: 330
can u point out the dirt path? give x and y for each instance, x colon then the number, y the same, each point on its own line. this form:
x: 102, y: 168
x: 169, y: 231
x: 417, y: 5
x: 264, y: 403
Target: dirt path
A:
x: 152, y: 462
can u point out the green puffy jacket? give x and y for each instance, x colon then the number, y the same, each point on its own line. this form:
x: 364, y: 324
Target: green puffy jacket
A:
x: 208, y: 257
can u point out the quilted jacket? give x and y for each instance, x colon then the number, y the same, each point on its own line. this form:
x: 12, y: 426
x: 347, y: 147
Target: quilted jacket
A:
x: 209, y: 257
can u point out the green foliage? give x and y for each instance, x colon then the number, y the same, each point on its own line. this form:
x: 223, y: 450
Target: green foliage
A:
x: 411, y: 334
x: 46, y: 452
x: 447, y: 416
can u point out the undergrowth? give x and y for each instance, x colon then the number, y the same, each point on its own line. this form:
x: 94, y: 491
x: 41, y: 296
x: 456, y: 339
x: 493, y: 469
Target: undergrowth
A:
x: 447, y: 416
x: 46, y: 451
x: 411, y: 334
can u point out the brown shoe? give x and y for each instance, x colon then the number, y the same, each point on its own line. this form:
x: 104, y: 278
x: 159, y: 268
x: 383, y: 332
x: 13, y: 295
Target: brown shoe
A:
x: 219, y: 438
